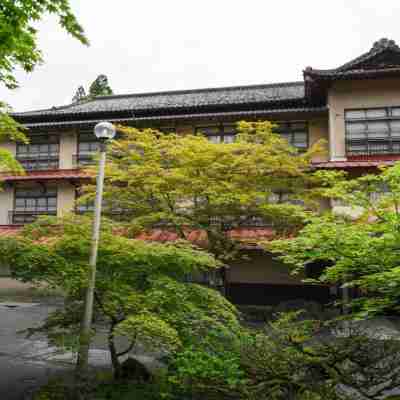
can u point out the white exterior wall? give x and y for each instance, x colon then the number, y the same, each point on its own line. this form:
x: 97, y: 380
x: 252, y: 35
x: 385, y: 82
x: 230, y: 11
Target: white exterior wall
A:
x: 356, y: 94
x: 65, y: 198
x: 68, y: 148
x: 6, y: 203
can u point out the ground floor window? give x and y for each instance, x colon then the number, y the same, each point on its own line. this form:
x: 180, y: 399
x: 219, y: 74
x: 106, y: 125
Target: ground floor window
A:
x: 32, y: 202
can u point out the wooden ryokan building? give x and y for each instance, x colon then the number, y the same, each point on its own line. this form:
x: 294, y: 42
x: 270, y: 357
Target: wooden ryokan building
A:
x: 355, y: 108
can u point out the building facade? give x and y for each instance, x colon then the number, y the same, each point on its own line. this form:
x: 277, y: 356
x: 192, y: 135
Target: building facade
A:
x: 355, y: 108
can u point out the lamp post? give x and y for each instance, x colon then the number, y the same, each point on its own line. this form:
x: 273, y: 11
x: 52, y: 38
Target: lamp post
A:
x: 104, y: 131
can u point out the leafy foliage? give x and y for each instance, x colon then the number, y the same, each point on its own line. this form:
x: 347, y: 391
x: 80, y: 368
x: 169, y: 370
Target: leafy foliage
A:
x: 79, y: 95
x: 18, y: 48
x: 186, y: 183
x: 18, y: 40
x: 359, y: 249
x: 100, y: 87
x: 293, y: 359
x: 141, y: 292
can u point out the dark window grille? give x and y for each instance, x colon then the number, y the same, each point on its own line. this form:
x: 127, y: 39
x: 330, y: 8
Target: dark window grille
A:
x: 218, y: 133
x: 30, y: 203
x: 42, y: 152
x: 88, y: 146
x: 87, y: 207
x: 296, y: 133
x: 372, y: 131
x: 171, y: 130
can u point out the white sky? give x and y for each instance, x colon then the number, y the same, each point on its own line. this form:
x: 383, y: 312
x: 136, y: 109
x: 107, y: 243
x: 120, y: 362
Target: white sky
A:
x: 152, y: 45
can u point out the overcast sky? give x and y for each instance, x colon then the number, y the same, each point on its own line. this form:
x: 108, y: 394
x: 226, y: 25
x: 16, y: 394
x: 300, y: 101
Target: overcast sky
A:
x: 154, y: 45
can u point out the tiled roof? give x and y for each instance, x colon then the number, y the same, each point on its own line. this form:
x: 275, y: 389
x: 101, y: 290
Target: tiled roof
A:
x: 180, y: 117
x: 248, y: 236
x: 46, y: 175
x: 359, y: 66
x: 225, y: 96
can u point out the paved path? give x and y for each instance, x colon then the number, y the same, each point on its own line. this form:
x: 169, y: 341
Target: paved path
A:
x: 27, y: 364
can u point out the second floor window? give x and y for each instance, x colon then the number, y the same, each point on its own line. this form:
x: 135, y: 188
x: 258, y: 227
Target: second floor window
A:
x: 41, y: 153
x: 88, y: 145
x: 296, y: 133
x: 32, y: 202
x: 218, y: 133
x: 372, y: 131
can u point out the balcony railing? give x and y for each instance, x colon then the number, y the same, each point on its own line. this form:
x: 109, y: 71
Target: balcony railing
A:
x: 366, y: 148
x: 37, y: 162
x: 27, y: 217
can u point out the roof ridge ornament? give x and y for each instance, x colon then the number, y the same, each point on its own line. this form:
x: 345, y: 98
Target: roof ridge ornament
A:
x: 384, y: 43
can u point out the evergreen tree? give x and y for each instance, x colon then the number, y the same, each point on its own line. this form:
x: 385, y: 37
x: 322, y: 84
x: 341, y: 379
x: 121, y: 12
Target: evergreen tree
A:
x: 79, y: 95
x: 100, y: 87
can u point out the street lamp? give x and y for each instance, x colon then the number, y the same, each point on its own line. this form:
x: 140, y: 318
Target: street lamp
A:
x: 104, y: 131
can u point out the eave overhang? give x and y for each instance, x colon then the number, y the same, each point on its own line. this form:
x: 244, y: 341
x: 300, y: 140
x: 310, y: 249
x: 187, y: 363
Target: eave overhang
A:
x: 50, y: 175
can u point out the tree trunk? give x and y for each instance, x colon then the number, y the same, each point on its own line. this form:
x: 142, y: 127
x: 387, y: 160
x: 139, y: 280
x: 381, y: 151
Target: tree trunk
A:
x: 114, y: 355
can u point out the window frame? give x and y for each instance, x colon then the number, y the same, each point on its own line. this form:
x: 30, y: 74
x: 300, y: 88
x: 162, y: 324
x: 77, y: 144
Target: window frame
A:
x: 372, y: 142
x: 222, y: 131
x: 27, y: 214
x: 291, y: 131
x: 39, y: 160
x: 86, y: 158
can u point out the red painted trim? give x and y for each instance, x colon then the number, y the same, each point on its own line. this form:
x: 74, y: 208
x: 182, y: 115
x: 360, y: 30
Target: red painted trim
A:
x: 46, y: 175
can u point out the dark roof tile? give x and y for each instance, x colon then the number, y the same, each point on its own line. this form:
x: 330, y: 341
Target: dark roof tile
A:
x: 227, y: 96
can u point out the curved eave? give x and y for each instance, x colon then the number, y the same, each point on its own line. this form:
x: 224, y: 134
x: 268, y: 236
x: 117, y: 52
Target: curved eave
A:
x: 352, y: 74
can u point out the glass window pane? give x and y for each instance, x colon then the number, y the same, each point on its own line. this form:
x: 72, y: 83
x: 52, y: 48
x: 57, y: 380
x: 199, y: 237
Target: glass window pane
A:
x: 52, y: 201
x: 214, y: 139
x: 355, y: 127
x: 378, y: 126
x: 84, y: 147
x: 51, y: 192
x: 299, y: 137
x: 376, y: 113
x: 208, y: 130
x: 396, y: 147
x: 355, y: 114
x: 357, y: 147
x: 298, y: 126
x: 282, y: 127
x: 378, y: 148
x: 94, y: 146
x: 286, y: 136
x: 395, y: 128
x: 396, y: 111
x: 300, y: 145
x: 229, y: 129
x: 19, y: 202
x: 228, y: 138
